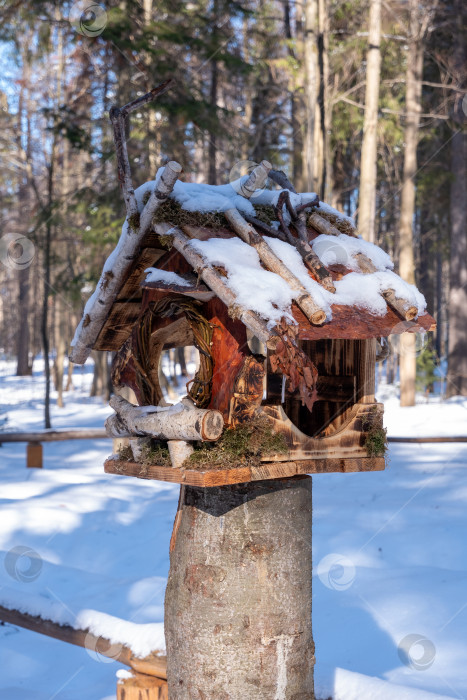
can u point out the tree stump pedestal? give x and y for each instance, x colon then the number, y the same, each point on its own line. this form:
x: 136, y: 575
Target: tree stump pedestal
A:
x: 238, y: 599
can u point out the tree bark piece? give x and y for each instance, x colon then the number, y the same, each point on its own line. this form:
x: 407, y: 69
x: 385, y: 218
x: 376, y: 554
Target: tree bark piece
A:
x: 174, y: 423
x: 256, y: 181
x: 240, y: 581
x: 214, y: 280
x: 111, y: 281
x: 303, y: 299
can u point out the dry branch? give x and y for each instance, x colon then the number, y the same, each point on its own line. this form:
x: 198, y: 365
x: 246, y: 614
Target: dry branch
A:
x: 248, y: 234
x: 178, y: 422
x: 281, y: 179
x: 214, y: 280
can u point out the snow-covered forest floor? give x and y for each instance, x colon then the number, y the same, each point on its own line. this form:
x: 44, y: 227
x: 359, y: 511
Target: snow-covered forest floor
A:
x: 390, y: 556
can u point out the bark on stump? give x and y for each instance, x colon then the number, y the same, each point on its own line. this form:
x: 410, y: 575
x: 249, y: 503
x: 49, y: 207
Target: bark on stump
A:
x: 238, y: 599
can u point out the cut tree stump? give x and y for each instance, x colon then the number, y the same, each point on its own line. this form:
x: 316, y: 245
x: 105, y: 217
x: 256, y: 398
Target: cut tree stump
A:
x: 142, y: 687
x: 34, y: 455
x: 238, y: 598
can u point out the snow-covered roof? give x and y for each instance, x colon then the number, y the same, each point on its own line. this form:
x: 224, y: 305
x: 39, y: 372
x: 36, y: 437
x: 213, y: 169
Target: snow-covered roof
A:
x: 362, y: 297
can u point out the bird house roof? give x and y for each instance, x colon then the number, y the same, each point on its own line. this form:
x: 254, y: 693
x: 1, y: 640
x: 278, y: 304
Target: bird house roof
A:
x: 271, y: 255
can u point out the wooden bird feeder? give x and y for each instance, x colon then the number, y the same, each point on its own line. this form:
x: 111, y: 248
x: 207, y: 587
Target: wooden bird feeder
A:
x: 299, y: 374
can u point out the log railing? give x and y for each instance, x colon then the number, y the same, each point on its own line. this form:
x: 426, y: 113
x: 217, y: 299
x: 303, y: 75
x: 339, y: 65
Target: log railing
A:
x: 35, y: 439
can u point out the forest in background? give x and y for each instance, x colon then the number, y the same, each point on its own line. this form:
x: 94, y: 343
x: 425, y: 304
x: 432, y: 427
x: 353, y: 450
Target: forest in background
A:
x: 363, y: 102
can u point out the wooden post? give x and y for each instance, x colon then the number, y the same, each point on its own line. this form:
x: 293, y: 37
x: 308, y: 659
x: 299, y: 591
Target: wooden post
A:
x: 238, y: 599
x: 34, y: 455
x: 141, y: 687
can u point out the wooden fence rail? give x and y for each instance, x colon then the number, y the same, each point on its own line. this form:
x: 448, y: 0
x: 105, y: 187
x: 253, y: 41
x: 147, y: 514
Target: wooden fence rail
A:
x: 35, y: 439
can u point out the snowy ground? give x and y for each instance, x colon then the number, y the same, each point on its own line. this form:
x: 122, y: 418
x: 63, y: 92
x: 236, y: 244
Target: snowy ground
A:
x: 390, y: 553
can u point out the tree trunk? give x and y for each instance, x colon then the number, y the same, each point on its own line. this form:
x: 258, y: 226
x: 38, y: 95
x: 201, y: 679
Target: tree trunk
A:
x: 238, y: 598
x: 367, y: 199
x: 406, y: 254
x: 311, y: 75
x: 457, y: 345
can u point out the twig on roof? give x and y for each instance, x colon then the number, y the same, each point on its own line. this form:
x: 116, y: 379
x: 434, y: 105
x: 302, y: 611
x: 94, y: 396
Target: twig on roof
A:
x: 272, y: 262
x: 256, y: 181
x: 281, y: 179
x: 117, y: 117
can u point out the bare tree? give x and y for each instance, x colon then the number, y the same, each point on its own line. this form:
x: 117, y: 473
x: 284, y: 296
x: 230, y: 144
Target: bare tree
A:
x: 367, y: 198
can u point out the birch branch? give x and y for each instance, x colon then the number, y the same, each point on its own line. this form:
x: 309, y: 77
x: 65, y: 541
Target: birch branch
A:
x: 164, y: 187
x: 214, y: 280
x: 248, y: 234
x: 324, y: 226
x: 177, y: 422
x: 256, y: 181
x: 112, y: 279
x: 401, y: 306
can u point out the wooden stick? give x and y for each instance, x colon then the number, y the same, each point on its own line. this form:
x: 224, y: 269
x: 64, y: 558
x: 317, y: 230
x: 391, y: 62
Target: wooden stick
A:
x: 248, y: 234
x: 148, y: 97
x: 111, y: 280
x: 160, y: 193
x: 117, y: 117
x: 401, y: 306
x: 214, y: 280
x: 123, y: 163
x: 256, y: 181
x: 166, y: 423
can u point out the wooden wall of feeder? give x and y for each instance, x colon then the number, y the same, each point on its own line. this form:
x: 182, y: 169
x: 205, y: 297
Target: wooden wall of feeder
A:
x: 288, y: 309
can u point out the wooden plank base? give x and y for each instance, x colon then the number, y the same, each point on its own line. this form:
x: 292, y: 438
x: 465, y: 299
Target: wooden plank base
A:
x: 241, y: 475
x: 142, y: 687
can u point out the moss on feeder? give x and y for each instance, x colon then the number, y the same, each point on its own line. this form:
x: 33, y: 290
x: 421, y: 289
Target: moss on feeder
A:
x: 376, y: 442
x: 244, y: 445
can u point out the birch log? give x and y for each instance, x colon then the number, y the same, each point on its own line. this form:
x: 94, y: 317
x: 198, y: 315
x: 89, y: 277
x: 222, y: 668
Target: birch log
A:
x: 213, y: 279
x: 401, y: 306
x: 114, y: 275
x: 248, y: 234
x: 160, y: 193
x: 176, y: 422
x: 324, y: 226
x: 256, y: 181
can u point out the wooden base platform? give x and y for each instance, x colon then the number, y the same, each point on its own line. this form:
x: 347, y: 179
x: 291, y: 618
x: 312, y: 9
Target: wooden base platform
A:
x: 241, y: 475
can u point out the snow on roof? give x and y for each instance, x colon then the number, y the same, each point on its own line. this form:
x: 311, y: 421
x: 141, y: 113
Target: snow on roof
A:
x: 261, y: 290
